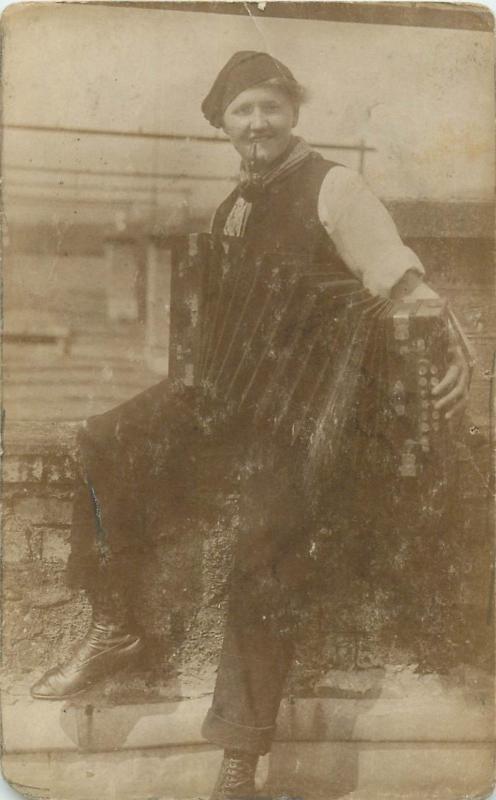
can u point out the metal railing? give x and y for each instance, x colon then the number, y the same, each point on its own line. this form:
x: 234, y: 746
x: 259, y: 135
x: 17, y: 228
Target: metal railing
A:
x: 361, y: 149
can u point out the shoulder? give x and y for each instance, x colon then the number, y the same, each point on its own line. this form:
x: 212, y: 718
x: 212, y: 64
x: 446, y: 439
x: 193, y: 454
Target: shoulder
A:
x: 319, y: 166
x: 342, y: 181
x: 345, y: 195
x: 310, y: 175
x: 336, y: 183
x: 342, y: 192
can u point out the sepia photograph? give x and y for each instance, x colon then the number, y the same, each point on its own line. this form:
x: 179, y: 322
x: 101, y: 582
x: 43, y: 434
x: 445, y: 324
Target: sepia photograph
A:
x: 248, y: 400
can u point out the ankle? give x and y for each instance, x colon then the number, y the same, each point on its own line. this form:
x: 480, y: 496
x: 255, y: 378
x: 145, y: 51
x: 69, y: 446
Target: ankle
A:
x: 109, y: 629
x: 242, y: 755
x: 110, y: 613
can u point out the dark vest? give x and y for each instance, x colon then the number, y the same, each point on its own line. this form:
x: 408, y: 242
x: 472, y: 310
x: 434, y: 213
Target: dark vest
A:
x: 285, y: 218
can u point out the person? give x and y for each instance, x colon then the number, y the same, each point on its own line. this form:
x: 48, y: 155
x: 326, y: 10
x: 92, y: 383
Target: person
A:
x: 289, y: 199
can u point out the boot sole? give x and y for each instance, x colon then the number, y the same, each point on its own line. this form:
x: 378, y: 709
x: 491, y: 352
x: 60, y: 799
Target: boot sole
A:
x: 129, y: 653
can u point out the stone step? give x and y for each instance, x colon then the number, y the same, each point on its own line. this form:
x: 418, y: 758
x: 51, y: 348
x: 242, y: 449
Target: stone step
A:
x: 401, y: 737
x: 95, y: 723
x: 306, y: 771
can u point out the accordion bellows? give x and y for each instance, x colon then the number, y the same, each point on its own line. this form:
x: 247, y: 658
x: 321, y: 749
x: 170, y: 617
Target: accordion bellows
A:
x: 309, y: 356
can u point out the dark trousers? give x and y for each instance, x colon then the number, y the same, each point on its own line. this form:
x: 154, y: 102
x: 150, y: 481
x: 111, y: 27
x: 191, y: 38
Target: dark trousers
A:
x: 136, y: 462
x: 146, y: 462
x: 264, y: 615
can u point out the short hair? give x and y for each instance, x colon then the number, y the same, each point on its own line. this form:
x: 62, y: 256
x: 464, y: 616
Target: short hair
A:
x: 294, y: 90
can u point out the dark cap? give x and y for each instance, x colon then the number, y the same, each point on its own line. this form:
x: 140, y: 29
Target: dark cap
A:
x: 244, y: 69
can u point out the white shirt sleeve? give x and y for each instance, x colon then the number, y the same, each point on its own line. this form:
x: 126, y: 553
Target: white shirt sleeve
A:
x: 363, y: 232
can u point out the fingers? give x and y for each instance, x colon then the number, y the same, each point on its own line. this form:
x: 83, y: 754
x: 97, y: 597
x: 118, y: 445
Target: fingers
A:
x: 455, y: 380
x: 449, y: 380
x: 452, y: 398
x: 457, y: 409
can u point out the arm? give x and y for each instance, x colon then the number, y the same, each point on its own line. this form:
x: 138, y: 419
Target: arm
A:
x: 364, y: 233
x: 367, y: 240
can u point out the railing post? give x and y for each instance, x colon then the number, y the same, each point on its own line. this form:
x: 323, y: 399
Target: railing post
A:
x: 363, y: 153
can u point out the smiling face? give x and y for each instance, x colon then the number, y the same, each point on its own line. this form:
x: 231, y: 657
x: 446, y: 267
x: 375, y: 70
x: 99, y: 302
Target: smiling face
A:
x: 265, y: 115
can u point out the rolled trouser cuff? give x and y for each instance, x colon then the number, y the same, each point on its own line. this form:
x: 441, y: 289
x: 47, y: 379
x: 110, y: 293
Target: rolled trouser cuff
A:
x: 232, y: 736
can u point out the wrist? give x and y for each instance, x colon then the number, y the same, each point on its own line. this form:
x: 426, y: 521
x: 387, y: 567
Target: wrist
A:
x: 412, y: 287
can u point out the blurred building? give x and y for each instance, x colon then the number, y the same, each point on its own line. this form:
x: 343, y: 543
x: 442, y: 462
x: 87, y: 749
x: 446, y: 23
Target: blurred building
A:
x: 105, y: 146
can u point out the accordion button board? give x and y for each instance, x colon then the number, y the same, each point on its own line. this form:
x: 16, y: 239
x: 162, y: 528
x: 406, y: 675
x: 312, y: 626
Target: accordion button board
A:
x: 417, y: 341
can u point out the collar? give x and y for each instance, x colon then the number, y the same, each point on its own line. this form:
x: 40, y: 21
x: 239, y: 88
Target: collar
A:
x: 251, y: 187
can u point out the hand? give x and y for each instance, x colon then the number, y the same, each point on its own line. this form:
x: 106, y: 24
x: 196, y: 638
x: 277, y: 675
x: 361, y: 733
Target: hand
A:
x: 452, y: 391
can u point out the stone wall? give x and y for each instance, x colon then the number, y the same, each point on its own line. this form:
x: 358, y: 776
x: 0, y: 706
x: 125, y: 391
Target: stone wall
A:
x: 179, y: 590
x: 40, y: 615
x: 366, y: 616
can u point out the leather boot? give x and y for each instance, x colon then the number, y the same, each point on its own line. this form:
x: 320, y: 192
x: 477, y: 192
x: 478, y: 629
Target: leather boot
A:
x: 236, y: 779
x: 108, y: 647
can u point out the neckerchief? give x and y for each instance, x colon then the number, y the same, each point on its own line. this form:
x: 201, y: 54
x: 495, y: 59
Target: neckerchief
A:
x: 237, y: 219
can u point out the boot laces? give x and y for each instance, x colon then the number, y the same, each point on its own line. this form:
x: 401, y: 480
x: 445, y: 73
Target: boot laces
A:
x: 239, y: 770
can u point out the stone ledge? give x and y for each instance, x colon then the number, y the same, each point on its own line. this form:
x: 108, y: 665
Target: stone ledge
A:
x: 38, y: 452
x: 438, y: 219
x: 38, y: 437
x: 427, y: 711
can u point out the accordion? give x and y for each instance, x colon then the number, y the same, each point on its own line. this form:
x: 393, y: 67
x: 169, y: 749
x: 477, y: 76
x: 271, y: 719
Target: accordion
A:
x: 308, y: 357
